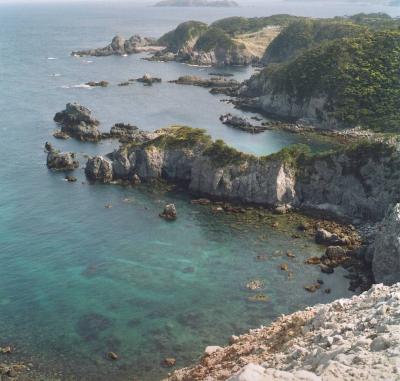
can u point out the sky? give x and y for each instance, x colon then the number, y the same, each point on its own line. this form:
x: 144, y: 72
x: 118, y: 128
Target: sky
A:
x: 241, y: 2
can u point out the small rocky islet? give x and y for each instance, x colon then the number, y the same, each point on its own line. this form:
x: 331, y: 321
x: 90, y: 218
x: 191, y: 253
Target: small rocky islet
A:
x: 358, y: 337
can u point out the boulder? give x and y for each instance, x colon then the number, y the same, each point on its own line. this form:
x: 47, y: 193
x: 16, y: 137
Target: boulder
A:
x: 147, y: 79
x: 77, y: 121
x: 323, y: 237
x: 61, y: 161
x: 212, y: 349
x: 169, y: 362
x: 386, y: 249
x: 48, y: 147
x: 169, y: 212
x: 335, y: 253
x: 112, y: 356
x: 99, y: 169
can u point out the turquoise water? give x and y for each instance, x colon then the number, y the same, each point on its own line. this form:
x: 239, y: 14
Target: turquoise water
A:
x: 78, y: 280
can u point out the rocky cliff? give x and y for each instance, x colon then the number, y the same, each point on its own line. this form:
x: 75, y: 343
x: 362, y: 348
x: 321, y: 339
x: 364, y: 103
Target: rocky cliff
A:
x: 350, y: 339
x: 386, y: 248
x: 357, y: 183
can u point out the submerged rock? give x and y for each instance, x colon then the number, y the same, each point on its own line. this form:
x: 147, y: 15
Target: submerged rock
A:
x: 77, y: 121
x: 169, y: 212
x: 71, y: 179
x: 169, y: 362
x: 255, y: 284
x: 112, y: 356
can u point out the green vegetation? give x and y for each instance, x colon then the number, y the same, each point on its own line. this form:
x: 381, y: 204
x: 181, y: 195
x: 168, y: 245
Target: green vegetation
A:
x: 377, y: 21
x: 215, y: 38
x: 240, y: 25
x: 182, y: 35
x: 222, y: 155
x: 304, y: 34
x: 359, y: 76
x: 180, y: 137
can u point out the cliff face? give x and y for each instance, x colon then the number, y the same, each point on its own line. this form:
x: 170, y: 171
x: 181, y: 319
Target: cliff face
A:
x: 260, y: 93
x: 386, y: 248
x: 358, y: 183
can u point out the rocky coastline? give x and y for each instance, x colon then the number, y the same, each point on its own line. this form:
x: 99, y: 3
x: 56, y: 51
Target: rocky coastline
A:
x: 349, y: 339
x: 356, y: 184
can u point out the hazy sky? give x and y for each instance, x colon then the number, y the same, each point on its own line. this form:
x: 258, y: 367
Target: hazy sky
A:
x: 242, y: 2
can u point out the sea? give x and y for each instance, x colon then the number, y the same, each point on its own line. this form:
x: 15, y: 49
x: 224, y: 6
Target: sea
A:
x: 77, y: 279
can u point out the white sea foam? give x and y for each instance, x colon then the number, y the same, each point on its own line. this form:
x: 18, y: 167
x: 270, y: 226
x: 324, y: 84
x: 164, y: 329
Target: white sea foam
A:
x: 55, y: 75
x: 80, y: 86
x: 51, y: 58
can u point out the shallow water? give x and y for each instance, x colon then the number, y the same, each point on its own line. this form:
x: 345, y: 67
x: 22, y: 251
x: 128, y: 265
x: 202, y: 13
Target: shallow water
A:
x: 77, y: 279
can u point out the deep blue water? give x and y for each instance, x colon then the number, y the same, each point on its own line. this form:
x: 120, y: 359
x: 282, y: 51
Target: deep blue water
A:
x: 77, y: 279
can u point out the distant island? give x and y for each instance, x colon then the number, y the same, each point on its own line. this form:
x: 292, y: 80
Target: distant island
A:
x: 197, y: 3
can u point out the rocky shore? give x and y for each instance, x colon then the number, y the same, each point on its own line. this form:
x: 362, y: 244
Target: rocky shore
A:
x: 241, y: 124
x: 218, y: 82
x: 349, y: 339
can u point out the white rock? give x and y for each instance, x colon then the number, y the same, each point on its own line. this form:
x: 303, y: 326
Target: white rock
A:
x: 212, y: 349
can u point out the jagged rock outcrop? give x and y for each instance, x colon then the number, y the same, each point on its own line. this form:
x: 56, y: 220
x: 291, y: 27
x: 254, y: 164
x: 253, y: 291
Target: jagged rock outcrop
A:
x: 120, y: 46
x: 355, y: 339
x: 61, y: 161
x: 241, y: 123
x: 99, y: 169
x: 147, y: 79
x: 386, y: 248
x: 77, y: 121
x: 124, y: 132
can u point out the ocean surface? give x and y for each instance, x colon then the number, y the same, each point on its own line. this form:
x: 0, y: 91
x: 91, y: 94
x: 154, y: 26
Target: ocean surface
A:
x: 77, y: 279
